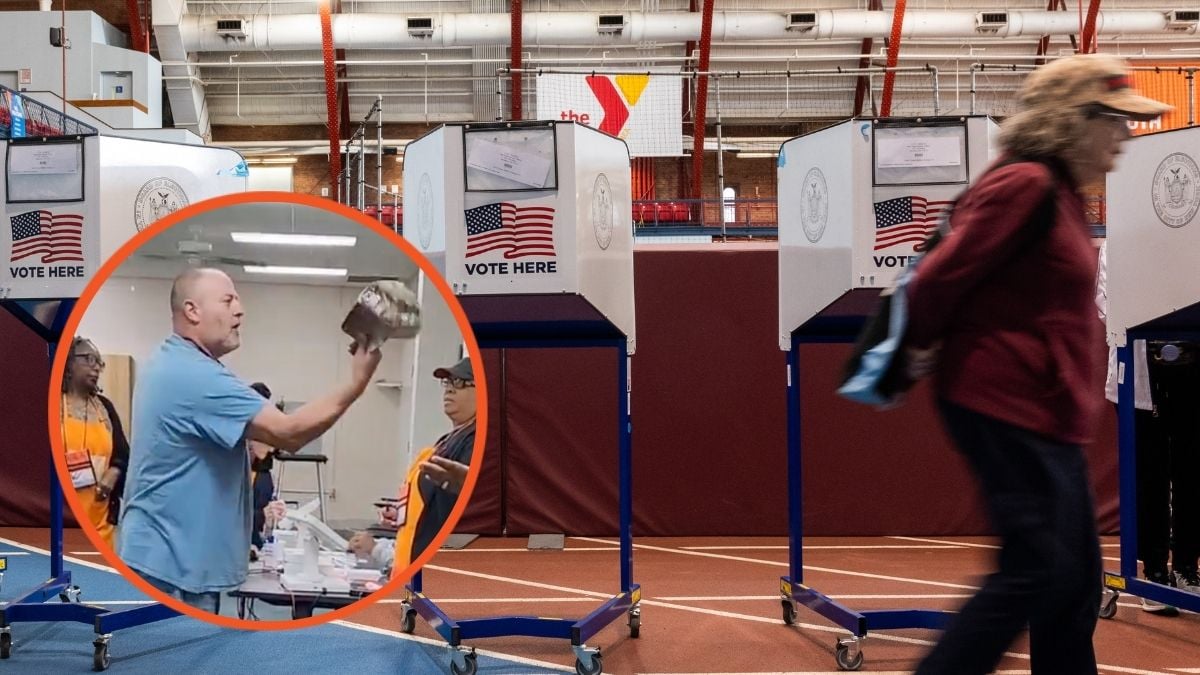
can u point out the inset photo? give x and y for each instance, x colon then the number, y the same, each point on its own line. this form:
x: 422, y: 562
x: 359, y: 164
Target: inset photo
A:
x: 264, y: 410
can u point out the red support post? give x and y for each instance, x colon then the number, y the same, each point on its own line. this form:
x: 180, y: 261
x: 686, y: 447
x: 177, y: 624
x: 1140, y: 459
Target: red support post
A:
x: 331, y: 100
x: 701, y: 113
x: 1087, y: 40
x: 889, y: 78
x: 515, y: 59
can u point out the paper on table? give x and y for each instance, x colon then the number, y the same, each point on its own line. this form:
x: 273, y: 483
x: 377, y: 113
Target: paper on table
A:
x: 52, y: 158
x: 510, y: 163
x: 894, y: 153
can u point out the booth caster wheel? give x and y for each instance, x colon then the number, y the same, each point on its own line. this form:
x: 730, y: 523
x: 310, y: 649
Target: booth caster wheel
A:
x: 848, y: 654
x: 5, y: 644
x: 70, y: 594
x: 100, y: 660
x: 469, y: 666
x: 789, y: 612
x: 1108, y: 606
x: 635, y: 623
x: 408, y: 620
x: 597, y: 666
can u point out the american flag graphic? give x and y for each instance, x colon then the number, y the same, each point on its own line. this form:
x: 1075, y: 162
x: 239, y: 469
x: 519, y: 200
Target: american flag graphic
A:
x: 57, y: 237
x: 906, y: 220
x: 519, y: 231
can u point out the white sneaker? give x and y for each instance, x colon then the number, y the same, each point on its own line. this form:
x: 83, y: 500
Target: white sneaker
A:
x: 1189, y: 582
x: 1158, y: 608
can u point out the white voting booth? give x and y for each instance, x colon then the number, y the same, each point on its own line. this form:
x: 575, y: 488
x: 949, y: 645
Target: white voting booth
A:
x: 856, y: 198
x: 537, y: 210
x: 856, y: 201
x: 531, y: 225
x: 1153, y: 288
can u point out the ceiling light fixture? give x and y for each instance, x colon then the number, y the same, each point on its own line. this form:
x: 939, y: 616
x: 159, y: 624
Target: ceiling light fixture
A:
x: 295, y: 271
x: 284, y: 239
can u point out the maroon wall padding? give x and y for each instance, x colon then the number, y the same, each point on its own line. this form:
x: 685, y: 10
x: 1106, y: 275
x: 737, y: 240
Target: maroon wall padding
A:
x: 709, y: 426
x: 562, y: 441
x: 24, y: 446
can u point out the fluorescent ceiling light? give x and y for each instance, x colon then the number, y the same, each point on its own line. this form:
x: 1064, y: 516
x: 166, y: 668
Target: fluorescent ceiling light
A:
x: 753, y: 155
x: 295, y: 271
x: 293, y: 239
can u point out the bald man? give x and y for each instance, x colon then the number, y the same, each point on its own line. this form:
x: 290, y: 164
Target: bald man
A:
x: 185, y: 525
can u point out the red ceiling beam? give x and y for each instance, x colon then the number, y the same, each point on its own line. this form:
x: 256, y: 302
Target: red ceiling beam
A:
x: 701, y: 115
x: 515, y: 58
x: 1087, y: 40
x: 868, y: 45
x: 893, y: 57
x: 331, y: 100
x: 138, y: 33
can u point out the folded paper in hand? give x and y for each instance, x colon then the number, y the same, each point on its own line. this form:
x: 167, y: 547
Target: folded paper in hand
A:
x: 385, y: 309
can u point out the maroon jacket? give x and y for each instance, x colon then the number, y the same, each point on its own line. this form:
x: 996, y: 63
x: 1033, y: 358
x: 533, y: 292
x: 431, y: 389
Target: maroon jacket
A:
x: 1021, y: 336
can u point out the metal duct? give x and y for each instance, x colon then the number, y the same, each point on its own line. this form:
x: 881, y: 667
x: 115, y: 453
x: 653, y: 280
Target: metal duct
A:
x: 393, y: 31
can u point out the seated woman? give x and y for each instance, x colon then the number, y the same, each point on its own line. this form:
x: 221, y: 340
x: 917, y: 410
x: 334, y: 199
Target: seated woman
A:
x: 96, y: 447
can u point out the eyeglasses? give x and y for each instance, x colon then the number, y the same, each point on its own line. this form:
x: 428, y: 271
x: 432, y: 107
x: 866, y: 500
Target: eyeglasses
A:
x: 456, y: 383
x: 91, y: 360
x: 1114, y: 117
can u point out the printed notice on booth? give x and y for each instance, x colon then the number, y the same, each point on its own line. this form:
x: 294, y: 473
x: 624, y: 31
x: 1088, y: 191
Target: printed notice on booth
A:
x: 51, y: 158
x: 510, y: 163
x: 906, y: 153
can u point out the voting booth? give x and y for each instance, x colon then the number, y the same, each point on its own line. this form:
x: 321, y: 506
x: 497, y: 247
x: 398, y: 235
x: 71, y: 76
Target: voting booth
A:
x: 856, y: 202
x: 530, y: 223
x: 71, y: 198
x: 1153, y: 289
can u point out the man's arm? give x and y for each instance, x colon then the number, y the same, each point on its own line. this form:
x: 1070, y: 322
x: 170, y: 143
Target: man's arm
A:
x: 292, y: 432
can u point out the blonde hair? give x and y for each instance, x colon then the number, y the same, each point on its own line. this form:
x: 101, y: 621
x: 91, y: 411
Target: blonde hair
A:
x: 1045, y: 131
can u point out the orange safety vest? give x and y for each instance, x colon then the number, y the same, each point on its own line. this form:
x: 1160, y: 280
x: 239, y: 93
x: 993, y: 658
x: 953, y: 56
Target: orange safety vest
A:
x: 409, y: 510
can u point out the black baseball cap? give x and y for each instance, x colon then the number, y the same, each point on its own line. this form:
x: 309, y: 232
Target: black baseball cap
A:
x: 462, y: 370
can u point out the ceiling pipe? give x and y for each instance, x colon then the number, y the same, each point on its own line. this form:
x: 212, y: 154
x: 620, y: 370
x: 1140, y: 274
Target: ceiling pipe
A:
x: 282, y: 32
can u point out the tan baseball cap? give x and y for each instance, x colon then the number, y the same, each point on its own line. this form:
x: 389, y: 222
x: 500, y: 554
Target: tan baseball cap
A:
x: 1089, y: 79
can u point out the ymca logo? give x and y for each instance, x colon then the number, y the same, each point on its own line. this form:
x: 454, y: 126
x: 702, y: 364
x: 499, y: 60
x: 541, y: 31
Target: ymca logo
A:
x: 616, y: 96
x: 642, y: 109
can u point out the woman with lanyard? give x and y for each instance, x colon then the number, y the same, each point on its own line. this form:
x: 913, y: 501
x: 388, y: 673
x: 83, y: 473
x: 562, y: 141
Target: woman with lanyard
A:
x: 97, y: 450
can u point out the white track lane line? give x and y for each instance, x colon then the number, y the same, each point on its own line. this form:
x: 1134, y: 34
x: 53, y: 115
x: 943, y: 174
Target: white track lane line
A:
x: 830, y: 547
x: 439, y: 643
x: 77, y: 561
x: 746, y: 617
x: 773, y: 563
x: 943, y: 541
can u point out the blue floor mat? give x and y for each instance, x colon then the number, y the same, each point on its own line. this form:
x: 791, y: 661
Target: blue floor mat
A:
x: 185, y: 645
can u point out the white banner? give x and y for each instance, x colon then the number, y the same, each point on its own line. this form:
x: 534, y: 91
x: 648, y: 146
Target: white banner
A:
x: 643, y: 110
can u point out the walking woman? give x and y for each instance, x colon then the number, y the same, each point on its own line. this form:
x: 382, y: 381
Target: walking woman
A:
x: 1007, y: 304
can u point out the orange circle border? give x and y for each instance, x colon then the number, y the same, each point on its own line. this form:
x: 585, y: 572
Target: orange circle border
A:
x: 58, y: 367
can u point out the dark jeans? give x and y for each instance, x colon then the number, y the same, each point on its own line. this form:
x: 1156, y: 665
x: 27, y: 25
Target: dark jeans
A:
x: 1168, y: 471
x: 1049, y: 577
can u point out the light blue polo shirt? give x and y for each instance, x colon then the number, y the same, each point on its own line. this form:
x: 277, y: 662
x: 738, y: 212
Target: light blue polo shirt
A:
x: 187, y: 502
